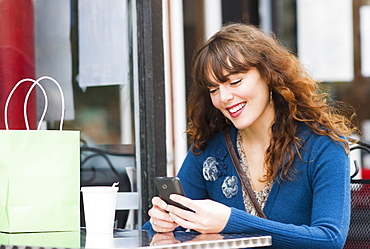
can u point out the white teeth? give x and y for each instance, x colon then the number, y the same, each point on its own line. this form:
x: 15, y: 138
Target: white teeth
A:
x: 237, y: 108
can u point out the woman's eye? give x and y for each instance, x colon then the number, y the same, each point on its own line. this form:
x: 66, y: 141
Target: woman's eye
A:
x: 236, y: 82
x: 212, y: 90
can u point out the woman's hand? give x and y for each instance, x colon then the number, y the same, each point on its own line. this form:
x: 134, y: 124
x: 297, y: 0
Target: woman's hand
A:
x: 159, y: 218
x: 208, y: 216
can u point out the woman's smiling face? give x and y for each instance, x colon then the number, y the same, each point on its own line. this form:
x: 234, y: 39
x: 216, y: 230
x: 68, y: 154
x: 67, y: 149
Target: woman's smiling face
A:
x: 244, y: 99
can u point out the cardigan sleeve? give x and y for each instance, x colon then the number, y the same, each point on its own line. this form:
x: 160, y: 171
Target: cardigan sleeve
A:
x: 327, y: 178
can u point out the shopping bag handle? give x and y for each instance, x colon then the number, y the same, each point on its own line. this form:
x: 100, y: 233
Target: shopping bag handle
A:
x: 25, y: 104
x: 35, y: 82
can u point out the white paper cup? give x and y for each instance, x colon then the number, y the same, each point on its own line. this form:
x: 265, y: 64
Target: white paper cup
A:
x: 99, y: 207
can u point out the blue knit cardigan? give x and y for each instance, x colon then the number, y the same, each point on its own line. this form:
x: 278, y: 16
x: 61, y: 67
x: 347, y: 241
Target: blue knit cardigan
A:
x: 310, y: 211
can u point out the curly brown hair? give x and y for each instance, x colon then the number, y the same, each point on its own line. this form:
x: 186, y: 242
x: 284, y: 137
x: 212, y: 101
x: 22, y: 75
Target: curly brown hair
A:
x: 235, y: 49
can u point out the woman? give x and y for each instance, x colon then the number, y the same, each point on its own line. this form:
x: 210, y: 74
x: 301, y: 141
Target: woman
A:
x: 291, y: 144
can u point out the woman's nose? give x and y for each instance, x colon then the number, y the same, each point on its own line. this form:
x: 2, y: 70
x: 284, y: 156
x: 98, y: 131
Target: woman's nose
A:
x: 225, y: 94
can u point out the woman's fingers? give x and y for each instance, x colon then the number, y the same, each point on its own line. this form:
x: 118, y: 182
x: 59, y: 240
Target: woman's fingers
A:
x: 183, y: 221
x: 208, y: 216
x: 162, y: 226
x: 160, y: 219
x: 189, y: 203
x: 156, y: 201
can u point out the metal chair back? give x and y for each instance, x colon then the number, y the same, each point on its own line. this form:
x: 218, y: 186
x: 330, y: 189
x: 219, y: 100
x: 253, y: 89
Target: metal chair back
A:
x: 359, y: 231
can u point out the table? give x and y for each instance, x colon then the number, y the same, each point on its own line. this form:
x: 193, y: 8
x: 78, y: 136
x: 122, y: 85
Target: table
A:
x: 122, y: 238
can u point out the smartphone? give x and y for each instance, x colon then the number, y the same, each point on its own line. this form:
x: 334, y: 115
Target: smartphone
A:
x: 167, y: 186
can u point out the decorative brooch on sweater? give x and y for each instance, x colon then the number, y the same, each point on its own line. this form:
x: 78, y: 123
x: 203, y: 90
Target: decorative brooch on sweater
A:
x: 215, y: 167
x: 230, y: 186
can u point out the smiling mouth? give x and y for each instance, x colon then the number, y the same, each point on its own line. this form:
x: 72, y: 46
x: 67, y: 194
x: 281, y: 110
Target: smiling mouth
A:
x: 236, y: 108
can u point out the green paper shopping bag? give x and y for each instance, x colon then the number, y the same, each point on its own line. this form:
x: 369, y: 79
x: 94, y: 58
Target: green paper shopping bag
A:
x: 39, y: 176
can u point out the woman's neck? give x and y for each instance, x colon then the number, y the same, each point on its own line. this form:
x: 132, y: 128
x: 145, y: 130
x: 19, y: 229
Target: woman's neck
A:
x: 258, y: 136
x: 258, y: 133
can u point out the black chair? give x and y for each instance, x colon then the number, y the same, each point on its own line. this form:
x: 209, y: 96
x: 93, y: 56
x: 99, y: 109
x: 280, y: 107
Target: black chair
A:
x: 103, y: 166
x: 359, y: 231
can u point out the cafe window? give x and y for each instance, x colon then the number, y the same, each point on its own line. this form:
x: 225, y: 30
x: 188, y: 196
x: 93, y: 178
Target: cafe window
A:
x: 84, y: 45
x: 96, y: 61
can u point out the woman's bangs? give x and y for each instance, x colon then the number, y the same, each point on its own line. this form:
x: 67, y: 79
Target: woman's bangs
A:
x: 218, y: 69
x: 236, y: 61
x: 212, y: 72
x: 219, y: 62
